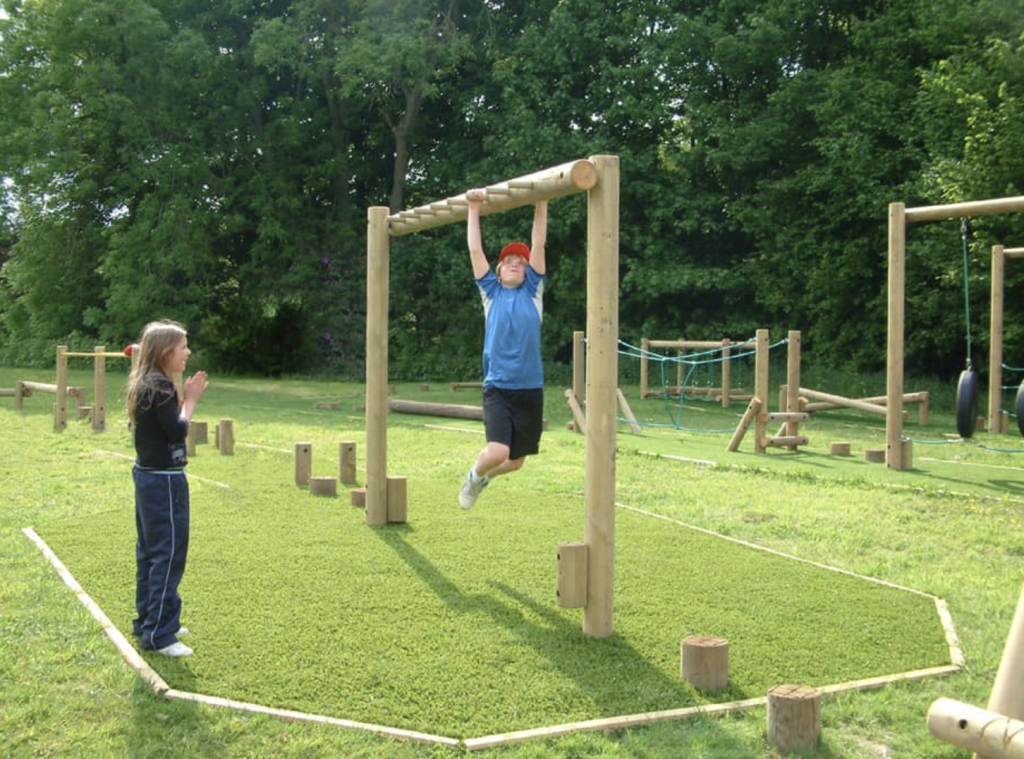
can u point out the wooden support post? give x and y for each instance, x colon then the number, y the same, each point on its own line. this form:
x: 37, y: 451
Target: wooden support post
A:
x: 579, y: 420
x: 397, y: 494
x: 761, y: 388
x: 303, y: 463
x: 99, y: 390
x: 995, y: 351
x: 753, y: 410
x: 987, y: 733
x: 19, y: 395
x: 627, y: 412
x: 377, y: 257
x: 705, y: 662
x: 726, y: 371
x: 579, y: 364
x: 60, y: 403
x: 1008, y: 690
x: 794, y: 717
x: 645, y: 347
x: 226, y: 437
x: 323, y: 486
x: 602, y: 380
x: 572, y: 575
x: 793, y: 386
x: 347, y: 461
x: 895, y: 346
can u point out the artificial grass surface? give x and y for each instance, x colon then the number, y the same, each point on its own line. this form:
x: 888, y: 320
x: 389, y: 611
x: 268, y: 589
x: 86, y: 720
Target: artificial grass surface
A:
x: 449, y: 624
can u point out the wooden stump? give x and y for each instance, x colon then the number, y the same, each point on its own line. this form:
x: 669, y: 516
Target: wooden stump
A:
x: 303, y: 463
x: 571, y: 589
x: 323, y: 486
x: 397, y: 499
x: 190, y: 441
x: 202, y: 431
x: 874, y: 455
x: 226, y: 437
x: 328, y: 405
x: 839, y: 449
x: 347, y: 461
x: 705, y: 662
x: 358, y: 497
x: 794, y: 717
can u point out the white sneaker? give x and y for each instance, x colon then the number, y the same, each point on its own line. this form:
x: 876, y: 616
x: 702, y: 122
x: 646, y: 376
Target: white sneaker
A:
x: 182, y: 631
x: 177, y: 648
x: 471, y: 490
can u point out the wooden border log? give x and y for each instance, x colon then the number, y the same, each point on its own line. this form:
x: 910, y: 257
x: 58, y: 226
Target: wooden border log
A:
x: 429, y: 408
x: 989, y: 735
x: 566, y: 179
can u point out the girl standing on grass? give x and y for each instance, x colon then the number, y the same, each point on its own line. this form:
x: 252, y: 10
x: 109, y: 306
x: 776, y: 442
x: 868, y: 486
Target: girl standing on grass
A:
x: 159, y: 419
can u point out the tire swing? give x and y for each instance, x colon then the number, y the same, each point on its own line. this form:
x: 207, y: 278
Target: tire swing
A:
x: 967, y: 387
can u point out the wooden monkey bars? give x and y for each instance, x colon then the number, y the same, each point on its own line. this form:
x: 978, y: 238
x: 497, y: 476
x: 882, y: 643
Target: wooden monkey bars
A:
x: 569, y: 178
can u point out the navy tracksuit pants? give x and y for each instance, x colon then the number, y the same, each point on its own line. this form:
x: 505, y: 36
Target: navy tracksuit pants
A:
x: 161, y: 523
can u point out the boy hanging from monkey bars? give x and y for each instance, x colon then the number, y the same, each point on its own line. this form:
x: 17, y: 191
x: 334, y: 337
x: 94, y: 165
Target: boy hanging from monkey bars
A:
x: 513, y: 387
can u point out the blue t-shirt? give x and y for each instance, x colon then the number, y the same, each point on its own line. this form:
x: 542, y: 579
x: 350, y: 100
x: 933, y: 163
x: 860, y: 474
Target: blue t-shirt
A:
x: 512, y: 319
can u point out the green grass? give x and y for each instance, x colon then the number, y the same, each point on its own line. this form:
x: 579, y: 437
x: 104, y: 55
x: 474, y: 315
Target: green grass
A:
x: 474, y: 591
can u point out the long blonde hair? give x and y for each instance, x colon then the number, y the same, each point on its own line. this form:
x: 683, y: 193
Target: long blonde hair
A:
x: 157, y: 342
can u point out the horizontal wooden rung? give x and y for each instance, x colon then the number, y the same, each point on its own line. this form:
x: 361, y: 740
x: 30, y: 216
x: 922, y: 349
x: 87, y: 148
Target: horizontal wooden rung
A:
x: 788, y: 416
x: 786, y: 440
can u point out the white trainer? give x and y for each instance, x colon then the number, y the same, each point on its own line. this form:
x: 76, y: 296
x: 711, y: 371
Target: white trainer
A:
x: 471, y: 490
x: 177, y: 648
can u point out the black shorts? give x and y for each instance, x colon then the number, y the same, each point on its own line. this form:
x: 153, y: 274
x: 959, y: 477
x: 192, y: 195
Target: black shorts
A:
x: 514, y: 418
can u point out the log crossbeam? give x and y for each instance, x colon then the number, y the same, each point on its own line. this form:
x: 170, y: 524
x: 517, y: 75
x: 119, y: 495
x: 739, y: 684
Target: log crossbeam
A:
x: 555, y: 182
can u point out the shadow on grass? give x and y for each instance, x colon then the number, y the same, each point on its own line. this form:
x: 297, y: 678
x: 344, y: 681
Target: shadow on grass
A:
x: 610, y: 673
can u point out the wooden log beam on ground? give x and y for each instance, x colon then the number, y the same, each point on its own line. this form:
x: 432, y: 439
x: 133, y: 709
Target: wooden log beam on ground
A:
x: 578, y: 416
x: 628, y: 412
x: 557, y: 181
x: 989, y: 735
x: 839, y: 400
x: 427, y: 408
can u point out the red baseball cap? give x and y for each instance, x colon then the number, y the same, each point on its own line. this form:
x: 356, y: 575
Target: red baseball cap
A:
x: 514, y: 249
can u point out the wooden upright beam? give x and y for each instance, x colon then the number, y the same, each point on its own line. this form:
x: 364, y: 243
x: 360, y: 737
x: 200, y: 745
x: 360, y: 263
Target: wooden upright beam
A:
x: 602, y: 382
x: 897, y: 305
x: 377, y: 258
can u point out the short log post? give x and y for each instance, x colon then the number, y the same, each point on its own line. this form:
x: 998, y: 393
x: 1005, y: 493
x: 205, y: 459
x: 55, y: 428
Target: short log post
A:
x: 226, y: 437
x: 875, y: 455
x: 323, y: 486
x: 839, y: 448
x: 60, y: 403
x: 202, y: 431
x: 357, y: 497
x: 347, y: 461
x: 908, y: 454
x: 19, y: 395
x: 190, y: 442
x: 705, y: 662
x: 794, y: 717
x: 303, y: 463
x: 572, y: 575
x: 397, y: 499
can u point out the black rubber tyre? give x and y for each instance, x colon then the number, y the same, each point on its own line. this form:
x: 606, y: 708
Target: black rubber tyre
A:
x: 1020, y: 409
x: 967, y: 403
